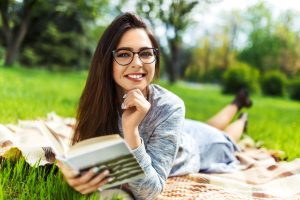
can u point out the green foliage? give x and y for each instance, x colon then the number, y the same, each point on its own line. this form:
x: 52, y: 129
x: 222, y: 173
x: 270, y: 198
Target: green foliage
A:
x: 195, y: 73
x: 210, y: 59
x: 262, y: 44
x: 239, y: 76
x: 192, y: 74
x: 30, y: 56
x: 62, y: 49
x: 214, y: 75
x: 294, y: 88
x: 61, y: 34
x: 273, y: 83
x: 262, y: 51
x: 272, y: 45
x: 2, y: 52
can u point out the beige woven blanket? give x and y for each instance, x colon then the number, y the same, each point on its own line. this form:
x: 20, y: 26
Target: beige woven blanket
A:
x: 259, y: 177
x: 262, y: 178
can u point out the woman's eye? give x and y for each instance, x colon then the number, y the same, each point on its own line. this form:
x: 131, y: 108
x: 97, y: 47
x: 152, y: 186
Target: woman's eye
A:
x: 123, y: 55
x: 146, y: 54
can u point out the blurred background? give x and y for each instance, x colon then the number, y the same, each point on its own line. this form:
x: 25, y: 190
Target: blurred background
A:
x: 251, y: 44
x: 209, y: 50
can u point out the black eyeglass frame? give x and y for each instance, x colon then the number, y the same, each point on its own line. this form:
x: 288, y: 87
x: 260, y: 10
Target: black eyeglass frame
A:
x: 155, y: 51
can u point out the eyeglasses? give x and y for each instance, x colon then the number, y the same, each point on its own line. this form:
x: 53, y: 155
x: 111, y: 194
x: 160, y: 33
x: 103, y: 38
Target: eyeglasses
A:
x: 125, y: 56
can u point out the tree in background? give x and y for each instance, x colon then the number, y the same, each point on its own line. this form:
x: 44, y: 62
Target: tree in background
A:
x: 200, y: 63
x: 60, y: 33
x: 175, y: 17
x: 263, y: 46
x: 273, y: 45
x: 63, y: 34
x: 16, y: 17
x: 216, y: 51
x: 289, y: 56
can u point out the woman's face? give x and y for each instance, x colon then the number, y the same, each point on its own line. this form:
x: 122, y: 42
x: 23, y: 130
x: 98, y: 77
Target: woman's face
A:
x: 135, y: 75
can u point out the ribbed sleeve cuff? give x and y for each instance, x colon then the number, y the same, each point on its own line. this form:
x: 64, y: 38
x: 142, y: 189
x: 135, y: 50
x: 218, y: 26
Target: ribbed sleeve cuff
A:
x: 141, y: 155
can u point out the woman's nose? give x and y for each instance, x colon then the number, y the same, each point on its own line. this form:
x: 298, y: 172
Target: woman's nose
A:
x: 136, y: 61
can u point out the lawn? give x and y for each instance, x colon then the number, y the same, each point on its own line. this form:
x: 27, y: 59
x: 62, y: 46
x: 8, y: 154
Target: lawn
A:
x: 32, y: 93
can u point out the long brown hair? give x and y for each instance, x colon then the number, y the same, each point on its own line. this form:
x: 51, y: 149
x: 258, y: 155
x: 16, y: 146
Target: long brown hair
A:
x: 97, y: 112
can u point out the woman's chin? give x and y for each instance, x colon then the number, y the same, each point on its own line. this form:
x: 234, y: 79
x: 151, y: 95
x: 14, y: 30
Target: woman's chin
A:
x: 142, y: 89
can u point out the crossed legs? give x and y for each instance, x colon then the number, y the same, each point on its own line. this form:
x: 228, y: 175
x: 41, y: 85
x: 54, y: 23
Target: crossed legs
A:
x: 222, y: 120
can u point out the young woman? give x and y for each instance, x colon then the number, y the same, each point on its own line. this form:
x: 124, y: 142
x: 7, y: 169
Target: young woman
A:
x: 119, y: 98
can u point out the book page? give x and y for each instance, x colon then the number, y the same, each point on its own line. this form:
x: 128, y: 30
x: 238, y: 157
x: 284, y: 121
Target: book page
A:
x: 54, y: 141
x: 92, y: 144
x: 6, y: 136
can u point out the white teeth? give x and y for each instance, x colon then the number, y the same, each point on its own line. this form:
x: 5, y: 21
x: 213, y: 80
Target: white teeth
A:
x: 135, y: 76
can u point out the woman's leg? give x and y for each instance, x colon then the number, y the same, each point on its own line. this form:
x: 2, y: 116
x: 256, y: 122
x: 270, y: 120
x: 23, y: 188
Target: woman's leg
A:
x: 223, y: 117
x: 236, y: 129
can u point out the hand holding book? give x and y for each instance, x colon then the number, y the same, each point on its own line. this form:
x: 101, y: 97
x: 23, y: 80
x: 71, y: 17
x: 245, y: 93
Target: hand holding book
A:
x: 93, y: 158
x: 87, y: 182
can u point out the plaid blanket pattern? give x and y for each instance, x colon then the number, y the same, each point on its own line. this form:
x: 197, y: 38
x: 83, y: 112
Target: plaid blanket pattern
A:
x: 260, y: 176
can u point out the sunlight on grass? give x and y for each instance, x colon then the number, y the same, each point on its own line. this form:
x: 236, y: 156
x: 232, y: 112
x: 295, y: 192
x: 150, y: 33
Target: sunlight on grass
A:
x: 31, y: 94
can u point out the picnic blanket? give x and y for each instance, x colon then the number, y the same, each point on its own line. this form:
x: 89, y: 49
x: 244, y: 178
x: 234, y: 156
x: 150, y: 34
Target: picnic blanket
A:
x: 260, y: 176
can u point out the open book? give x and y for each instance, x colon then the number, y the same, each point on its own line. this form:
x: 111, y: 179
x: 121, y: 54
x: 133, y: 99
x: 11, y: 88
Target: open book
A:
x: 106, y: 152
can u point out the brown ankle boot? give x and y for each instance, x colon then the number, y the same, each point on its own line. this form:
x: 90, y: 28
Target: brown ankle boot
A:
x: 242, y: 99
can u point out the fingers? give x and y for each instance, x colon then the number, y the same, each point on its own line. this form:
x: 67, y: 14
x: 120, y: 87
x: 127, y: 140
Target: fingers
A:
x: 135, y: 98
x: 94, y: 188
x: 83, y: 179
x: 132, y: 101
x: 87, y: 184
x: 67, y: 172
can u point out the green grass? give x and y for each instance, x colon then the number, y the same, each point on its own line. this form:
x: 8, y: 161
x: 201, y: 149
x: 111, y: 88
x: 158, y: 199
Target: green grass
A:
x: 20, y: 181
x: 31, y: 94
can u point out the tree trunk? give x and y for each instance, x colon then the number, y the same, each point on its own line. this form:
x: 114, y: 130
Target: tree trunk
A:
x: 174, y: 62
x: 169, y: 65
x: 15, y: 39
x: 172, y: 72
x: 11, y: 54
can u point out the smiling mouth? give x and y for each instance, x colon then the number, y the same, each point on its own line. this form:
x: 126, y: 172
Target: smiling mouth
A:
x: 135, y: 76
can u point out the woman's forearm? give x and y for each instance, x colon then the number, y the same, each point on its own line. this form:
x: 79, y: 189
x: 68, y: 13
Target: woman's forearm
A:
x: 132, y: 137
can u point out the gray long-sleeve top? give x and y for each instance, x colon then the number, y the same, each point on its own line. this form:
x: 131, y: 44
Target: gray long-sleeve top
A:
x: 172, y: 145
x: 160, y: 132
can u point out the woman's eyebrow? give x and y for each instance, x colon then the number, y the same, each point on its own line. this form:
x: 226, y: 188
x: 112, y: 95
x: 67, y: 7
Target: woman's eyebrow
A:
x: 124, y: 48
x: 131, y: 49
x: 145, y: 48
